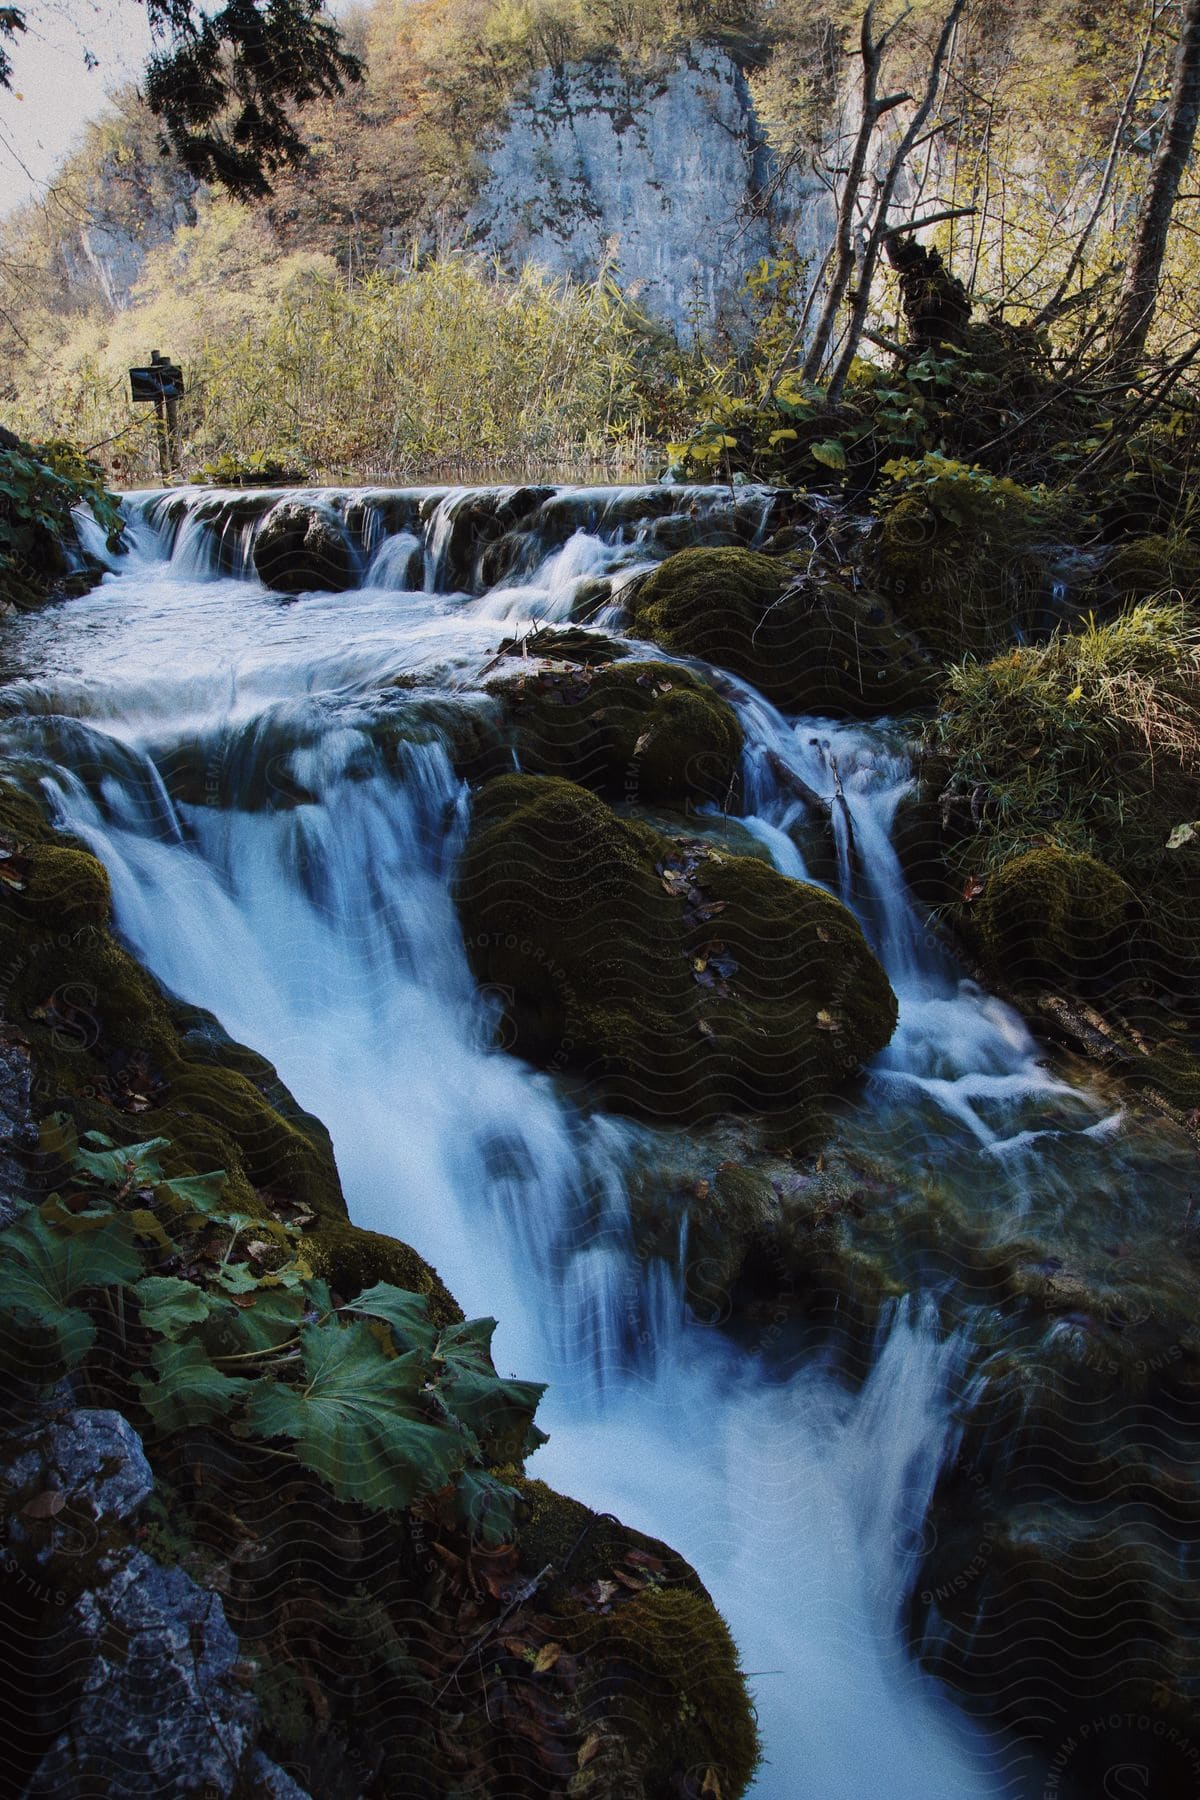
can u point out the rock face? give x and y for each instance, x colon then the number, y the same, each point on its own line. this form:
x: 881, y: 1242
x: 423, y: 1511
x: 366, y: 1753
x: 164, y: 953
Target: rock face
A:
x: 148, y: 1695
x: 18, y: 1135
x: 664, y: 173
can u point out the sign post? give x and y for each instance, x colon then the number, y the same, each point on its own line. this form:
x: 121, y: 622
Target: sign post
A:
x: 161, y: 381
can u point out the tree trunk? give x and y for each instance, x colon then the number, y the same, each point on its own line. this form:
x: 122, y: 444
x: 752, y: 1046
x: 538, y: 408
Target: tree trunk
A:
x: 1134, y: 311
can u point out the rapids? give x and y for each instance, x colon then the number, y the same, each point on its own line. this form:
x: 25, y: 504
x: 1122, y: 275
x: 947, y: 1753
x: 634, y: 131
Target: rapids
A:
x: 218, y: 746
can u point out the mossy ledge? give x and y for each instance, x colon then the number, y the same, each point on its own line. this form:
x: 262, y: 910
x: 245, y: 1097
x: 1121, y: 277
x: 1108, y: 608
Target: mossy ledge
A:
x: 679, y: 982
x: 809, y: 642
x: 386, y: 1677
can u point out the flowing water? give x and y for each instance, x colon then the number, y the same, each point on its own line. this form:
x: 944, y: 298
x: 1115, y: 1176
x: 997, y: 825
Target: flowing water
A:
x: 267, y: 780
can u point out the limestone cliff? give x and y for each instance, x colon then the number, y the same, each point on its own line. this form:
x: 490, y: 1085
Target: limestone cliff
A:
x: 666, y: 174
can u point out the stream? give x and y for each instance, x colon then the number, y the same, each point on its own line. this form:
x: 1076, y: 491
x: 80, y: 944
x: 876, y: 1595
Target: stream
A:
x: 218, y: 746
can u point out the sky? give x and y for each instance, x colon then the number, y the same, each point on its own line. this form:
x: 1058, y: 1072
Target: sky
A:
x: 54, y: 92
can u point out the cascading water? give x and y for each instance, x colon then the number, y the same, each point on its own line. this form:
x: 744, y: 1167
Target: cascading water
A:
x: 273, y: 860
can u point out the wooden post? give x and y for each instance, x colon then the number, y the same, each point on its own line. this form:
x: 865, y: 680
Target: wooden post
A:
x: 160, y: 412
x: 161, y: 382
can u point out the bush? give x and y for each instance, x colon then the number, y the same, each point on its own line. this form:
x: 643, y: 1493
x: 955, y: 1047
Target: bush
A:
x: 41, y: 485
x: 961, y: 553
x: 1089, y: 744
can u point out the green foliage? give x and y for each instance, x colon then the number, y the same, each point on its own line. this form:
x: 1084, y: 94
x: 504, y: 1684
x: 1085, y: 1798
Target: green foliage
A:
x: 262, y: 468
x: 356, y: 1419
x: 225, y: 82
x: 371, y: 1396
x: 1089, y: 744
x: 41, y: 485
x: 44, y: 1270
x: 968, y: 497
x: 441, y: 369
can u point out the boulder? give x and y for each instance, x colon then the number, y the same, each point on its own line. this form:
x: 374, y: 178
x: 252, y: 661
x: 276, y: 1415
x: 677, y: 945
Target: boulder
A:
x: 679, y: 981
x: 1051, y: 915
x: 634, y: 731
x: 808, y: 643
x: 300, y: 547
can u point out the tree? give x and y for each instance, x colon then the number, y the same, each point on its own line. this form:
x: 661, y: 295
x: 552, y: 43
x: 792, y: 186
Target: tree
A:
x: 1134, y: 311
x: 222, y: 83
x: 861, y: 220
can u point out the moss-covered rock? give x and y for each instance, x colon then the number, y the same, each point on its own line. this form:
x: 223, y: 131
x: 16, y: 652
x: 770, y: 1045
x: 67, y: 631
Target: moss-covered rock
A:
x: 672, y: 1688
x: 678, y: 981
x: 119, y: 1055
x: 637, y: 731
x: 301, y: 548
x: 807, y: 643
x: 1051, y: 915
x: 351, y: 1260
x: 962, y: 576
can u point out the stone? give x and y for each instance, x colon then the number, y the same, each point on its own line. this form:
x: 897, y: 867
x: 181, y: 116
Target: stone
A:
x: 680, y: 981
x: 18, y: 1135
x: 160, y: 1708
x: 302, y: 547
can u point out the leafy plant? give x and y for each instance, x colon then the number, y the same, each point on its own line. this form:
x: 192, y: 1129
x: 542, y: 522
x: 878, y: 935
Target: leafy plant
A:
x: 41, y: 486
x: 370, y: 1396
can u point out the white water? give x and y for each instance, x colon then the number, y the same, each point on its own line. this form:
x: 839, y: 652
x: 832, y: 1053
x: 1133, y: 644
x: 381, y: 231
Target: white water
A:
x: 323, y: 934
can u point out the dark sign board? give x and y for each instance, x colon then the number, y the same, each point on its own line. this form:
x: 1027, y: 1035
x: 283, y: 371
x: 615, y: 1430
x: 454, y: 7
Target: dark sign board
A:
x: 160, y: 381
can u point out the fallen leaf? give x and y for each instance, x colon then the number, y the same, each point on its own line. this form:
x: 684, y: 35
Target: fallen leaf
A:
x: 546, y: 1658
x: 605, y: 1591
x: 589, y: 1748
x: 642, y: 1559
x: 46, y: 1505
x: 973, y: 888
x: 712, y: 1787
x: 826, y: 1021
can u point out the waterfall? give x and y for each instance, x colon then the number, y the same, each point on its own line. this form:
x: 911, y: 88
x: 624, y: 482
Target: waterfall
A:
x: 213, y: 743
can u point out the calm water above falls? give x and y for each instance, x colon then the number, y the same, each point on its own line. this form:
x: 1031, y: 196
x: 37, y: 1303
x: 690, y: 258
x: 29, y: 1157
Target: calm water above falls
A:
x: 162, y: 714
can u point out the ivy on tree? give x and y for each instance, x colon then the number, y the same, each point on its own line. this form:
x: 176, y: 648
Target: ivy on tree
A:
x: 222, y: 83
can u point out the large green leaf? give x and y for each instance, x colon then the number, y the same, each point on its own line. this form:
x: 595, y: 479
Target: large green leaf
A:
x: 200, y: 1193
x: 189, y: 1391
x: 42, y: 1271
x: 274, y: 1317
x: 407, y: 1314
x: 830, y: 451
x: 499, y: 1412
x: 486, y: 1507
x: 359, y: 1423
x: 171, y: 1306
x: 134, y: 1164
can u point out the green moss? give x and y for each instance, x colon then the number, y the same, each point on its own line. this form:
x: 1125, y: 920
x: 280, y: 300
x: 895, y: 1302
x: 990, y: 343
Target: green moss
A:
x: 678, y: 995
x: 1051, y: 916
x: 68, y: 886
x: 808, y: 644
x: 672, y: 1687
x: 351, y: 1259
x: 633, y: 731
x: 579, y: 1544
x: 962, y: 579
